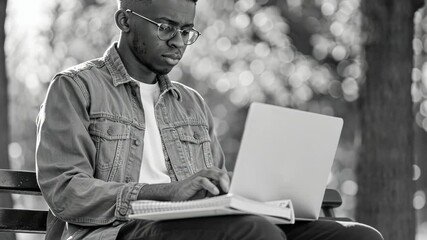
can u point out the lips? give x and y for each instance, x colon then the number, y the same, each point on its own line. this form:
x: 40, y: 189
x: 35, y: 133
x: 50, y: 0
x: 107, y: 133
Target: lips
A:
x: 172, y: 58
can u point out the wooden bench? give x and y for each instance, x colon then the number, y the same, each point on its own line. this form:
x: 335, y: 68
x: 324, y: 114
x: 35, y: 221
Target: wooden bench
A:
x: 34, y: 221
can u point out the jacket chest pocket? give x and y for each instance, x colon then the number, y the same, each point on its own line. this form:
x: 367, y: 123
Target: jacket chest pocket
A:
x: 112, y: 142
x: 195, y: 142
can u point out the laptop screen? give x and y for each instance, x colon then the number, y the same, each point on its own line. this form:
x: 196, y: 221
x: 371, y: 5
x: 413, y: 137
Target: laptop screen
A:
x: 286, y: 154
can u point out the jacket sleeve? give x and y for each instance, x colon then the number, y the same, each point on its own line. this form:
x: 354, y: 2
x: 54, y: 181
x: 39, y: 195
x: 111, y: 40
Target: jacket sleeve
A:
x: 65, y: 160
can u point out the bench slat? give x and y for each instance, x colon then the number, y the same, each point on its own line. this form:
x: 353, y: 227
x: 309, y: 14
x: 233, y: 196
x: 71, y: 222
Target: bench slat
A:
x: 22, y: 182
x: 23, y: 221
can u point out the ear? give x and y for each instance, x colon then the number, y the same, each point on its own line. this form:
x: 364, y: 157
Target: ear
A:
x: 122, y: 20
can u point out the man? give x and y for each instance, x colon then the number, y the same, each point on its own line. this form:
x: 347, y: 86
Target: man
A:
x: 115, y: 129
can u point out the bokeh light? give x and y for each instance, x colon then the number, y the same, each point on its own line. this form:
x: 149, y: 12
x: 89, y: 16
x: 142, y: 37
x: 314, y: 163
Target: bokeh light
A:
x: 295, y: 53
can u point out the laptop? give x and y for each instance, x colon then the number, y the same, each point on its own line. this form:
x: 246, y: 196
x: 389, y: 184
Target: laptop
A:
x: 286, y: 154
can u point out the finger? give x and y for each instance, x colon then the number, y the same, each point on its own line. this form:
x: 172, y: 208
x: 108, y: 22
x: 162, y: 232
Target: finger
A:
x: 221, y: 180
x: 201, y: 195
x: 218, y: 177
x: 204, y: 183
x: 224, y: 182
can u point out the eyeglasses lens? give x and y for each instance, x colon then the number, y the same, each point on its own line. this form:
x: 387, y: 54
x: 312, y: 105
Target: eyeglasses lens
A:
x: 167, y: 32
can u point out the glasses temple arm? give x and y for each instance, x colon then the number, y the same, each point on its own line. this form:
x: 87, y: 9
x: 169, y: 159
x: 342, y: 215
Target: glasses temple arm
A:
x: 145, y: 18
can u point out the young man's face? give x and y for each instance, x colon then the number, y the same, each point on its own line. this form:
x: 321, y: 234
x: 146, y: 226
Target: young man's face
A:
x: 157, y: 55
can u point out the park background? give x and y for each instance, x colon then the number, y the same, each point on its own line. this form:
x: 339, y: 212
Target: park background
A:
x: 360, y: 60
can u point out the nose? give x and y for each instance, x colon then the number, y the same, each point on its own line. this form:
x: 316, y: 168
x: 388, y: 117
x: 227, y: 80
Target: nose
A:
x: 177, y: 41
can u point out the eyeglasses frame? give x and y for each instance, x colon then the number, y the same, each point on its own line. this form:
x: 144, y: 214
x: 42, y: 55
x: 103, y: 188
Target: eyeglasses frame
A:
x: 159, y: 24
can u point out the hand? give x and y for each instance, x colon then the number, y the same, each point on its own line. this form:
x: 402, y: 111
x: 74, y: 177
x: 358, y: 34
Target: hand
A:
x: 212, y: 180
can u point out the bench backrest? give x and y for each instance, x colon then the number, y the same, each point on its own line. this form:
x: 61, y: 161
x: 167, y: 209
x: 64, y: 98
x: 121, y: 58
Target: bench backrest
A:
x: 21, y: 220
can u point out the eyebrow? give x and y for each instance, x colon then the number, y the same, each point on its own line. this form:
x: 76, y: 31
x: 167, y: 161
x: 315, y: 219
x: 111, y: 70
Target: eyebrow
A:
x: 174, y: 22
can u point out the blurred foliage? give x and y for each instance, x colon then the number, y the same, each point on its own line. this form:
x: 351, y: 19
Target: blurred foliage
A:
x: 301, y: 54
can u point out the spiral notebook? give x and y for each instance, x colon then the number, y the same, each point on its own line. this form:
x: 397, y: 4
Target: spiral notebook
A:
x: 279, y: 212
x: 281, y: 170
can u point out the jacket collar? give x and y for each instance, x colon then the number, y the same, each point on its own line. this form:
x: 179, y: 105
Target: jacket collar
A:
x: 120, y: 76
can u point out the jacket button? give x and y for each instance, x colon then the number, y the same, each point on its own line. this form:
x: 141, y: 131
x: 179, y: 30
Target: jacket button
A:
x: 128, y: 180
x: 137, y: 142
x: 110, y: 131
x: 196, y: 136
x: 123, y: 211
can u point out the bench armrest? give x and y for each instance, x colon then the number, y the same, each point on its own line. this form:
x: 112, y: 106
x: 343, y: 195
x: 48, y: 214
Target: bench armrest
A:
x: 332, y: 199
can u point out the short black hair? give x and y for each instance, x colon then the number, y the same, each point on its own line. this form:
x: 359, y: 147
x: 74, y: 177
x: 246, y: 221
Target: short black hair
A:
x: 126, y: 4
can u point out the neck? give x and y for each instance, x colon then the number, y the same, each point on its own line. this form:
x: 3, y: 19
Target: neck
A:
x: 134, y: 68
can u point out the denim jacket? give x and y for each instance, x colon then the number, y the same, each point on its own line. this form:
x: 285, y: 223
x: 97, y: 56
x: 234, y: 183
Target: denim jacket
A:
x: 90, y: 140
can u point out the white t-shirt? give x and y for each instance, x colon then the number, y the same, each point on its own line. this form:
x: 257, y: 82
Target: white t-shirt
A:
x: 153, y: 166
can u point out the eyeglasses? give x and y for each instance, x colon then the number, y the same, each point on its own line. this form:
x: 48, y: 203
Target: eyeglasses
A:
x: 165, y: 32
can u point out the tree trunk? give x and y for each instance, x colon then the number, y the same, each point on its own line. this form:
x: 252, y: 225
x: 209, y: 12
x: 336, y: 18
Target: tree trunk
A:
x: 385, y: 168
x: 5, y: 199
x: 420, y: 133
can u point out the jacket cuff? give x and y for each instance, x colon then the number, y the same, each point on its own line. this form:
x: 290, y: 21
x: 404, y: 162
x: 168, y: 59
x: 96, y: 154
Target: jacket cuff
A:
x: 127, y: 194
